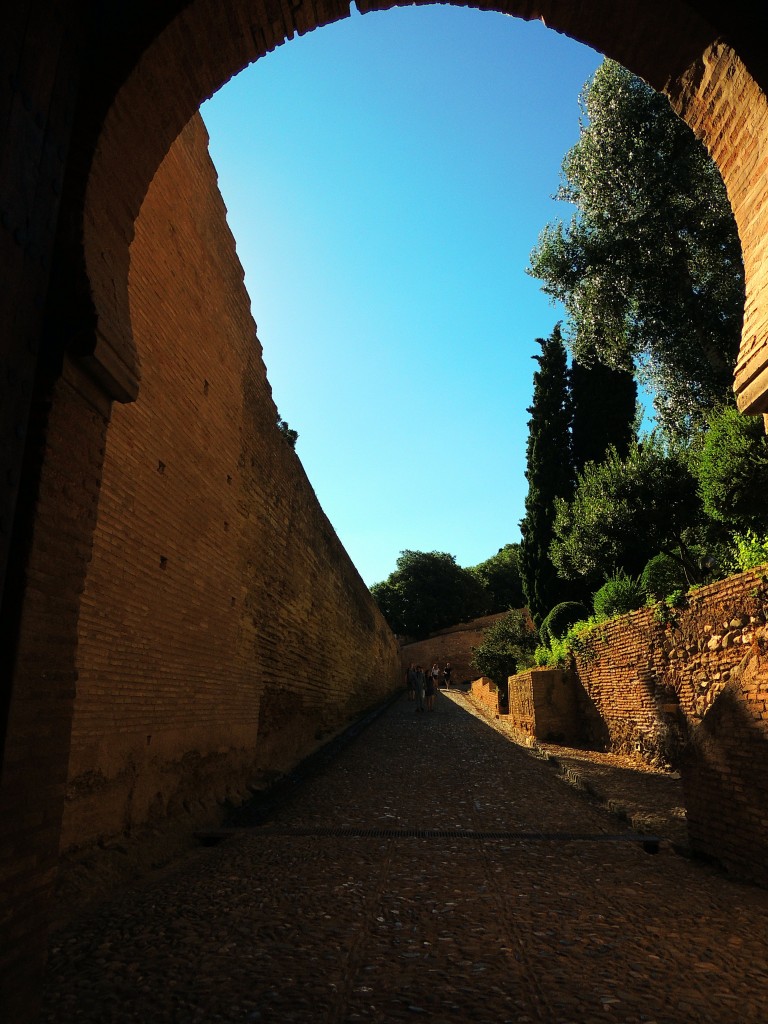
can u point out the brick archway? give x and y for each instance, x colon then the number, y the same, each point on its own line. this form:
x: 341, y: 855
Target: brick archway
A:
x: 96, y: 97
x: 206, y: 43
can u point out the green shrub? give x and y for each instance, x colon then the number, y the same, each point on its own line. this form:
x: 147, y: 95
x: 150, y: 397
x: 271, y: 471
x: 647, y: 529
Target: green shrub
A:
x: 560, y: 649
x: 678, y: 598
x: 560, y: 620
x: 507, y: 648
x: 542, y: 656
x: 751, y: 550
x: 661, y: 575
x: 733, y: 471
x: 618, y: 595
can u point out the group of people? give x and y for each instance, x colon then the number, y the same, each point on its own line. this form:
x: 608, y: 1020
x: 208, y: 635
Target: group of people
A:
x: 423, y: 684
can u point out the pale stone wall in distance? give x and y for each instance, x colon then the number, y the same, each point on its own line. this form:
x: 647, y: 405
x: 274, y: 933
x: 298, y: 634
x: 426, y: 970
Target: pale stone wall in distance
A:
x: 454, y: 645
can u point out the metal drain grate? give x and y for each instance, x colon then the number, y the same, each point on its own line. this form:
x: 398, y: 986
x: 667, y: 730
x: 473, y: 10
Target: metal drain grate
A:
x: 350, y: 832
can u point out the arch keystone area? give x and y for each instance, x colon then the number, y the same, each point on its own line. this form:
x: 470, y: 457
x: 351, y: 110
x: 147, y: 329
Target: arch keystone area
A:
x: 668, y: 44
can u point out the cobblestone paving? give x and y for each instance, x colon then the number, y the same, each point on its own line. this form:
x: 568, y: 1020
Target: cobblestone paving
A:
x: 539, y: 925
x: 651, y: 799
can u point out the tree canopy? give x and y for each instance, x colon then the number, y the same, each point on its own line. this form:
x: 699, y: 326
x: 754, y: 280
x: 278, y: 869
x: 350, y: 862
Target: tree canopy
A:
x: 649, y: 268
x: 500, y: 575
x: 604, y: 407
x: 428, y: 591
x: 624, y: 511
x: 732, y: 468
x: 549, y: 473
x: 506, y: 648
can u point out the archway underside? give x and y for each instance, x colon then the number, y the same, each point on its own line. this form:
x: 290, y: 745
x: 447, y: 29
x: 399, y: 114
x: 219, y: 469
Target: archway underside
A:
x: 665, y: 43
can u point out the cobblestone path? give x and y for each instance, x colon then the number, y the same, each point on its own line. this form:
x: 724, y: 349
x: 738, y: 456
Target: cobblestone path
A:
x: 310, y: 919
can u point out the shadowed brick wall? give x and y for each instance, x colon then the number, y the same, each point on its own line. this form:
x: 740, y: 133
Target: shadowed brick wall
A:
x: 223, y: 631
x: 690, y: 688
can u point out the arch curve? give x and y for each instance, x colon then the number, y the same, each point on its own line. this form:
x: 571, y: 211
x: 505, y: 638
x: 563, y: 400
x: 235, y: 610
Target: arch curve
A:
x: 171, y: 65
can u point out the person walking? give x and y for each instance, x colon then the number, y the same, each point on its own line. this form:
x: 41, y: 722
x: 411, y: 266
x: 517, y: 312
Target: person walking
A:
x: 447, y: 675
x: 430, y: 691
x: 410, y: 681
x: 435, y: 674
x: 420, y: 682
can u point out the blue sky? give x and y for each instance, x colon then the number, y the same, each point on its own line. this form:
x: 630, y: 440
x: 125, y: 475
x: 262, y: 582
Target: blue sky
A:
x: 386, y: 178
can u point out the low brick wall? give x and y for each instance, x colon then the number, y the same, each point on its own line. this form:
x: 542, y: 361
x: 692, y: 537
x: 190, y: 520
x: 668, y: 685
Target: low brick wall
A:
x: 542, y: 705
x: 687, y: 687
x: 486, y: 692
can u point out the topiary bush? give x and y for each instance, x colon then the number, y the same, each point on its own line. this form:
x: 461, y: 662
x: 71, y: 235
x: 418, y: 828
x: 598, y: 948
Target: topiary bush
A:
x: 560, y: 620
x: 618, y: 595
x: 661, y: 575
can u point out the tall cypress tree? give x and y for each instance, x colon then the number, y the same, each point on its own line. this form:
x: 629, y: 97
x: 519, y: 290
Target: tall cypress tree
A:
x: 603, y: 401
x: 549, y: 473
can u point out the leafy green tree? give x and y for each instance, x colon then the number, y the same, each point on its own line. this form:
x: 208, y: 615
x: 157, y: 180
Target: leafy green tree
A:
x: 733, y: 471
x: 500, y: 575
x: 604, y: 404
x: 507, y: 647
x: 624, y: 511
x: 649, y: 268
x: 428, y: 591
x: 549, y: 474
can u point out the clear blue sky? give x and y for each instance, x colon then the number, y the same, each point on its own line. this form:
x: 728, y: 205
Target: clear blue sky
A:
x: 386, y: 178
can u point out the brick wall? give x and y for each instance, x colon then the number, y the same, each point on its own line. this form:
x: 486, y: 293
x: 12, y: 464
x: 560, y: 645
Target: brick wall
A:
x: 223, y: 631
x: 70, y: 427
x: 689, y: 688
x: 542, y: 704
x: 454, y: 645
x: 486, y: 692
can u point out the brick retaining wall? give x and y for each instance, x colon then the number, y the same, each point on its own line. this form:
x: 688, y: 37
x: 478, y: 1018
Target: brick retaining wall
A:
x: 688, y: 687
x: 542, y: 705
x: 486, y: 692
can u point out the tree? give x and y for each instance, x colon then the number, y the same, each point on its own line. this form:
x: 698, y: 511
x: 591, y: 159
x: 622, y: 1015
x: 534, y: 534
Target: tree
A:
x: 604, y: 406
x: 288, y: 435
x: 649, y: 268
x: 549, y: 474
x: 624, y: 511
x: 428, y: 591
x: 500, y: 575
x: 507, y: 647
x: 732, y: 469
x: 661, y: 576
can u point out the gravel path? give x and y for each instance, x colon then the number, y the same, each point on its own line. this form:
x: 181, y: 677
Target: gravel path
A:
x: 371, y: 897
